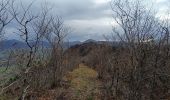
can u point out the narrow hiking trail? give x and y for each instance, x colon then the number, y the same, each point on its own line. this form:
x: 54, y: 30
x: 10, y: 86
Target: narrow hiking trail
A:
x: 83, y: 84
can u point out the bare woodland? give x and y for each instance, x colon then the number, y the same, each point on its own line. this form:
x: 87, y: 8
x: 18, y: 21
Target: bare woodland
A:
x: 136, y: 69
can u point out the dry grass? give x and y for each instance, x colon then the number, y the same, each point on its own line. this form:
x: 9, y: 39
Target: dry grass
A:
x: 83, y: 84
x: 82, y: 72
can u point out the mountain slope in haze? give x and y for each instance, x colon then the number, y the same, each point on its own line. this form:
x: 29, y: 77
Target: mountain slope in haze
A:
x: 11, y: 44
x: 16, y: 44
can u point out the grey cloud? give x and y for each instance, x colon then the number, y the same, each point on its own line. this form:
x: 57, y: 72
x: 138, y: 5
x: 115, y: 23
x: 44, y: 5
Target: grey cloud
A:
x: 85, y: 17
x: 78, y: 9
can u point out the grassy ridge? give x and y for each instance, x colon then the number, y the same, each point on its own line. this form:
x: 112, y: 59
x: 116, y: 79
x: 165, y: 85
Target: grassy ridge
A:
x: 83, y: 83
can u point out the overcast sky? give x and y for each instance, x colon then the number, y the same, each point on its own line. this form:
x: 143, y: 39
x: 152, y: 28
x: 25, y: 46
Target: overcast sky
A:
x: 88, y: 19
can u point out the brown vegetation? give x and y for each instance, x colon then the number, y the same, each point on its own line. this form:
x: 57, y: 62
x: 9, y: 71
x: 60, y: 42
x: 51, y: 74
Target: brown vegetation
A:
x: 137, y: 68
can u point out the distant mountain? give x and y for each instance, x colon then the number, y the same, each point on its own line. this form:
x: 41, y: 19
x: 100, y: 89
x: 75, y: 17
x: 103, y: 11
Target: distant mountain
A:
x: 16, y: 44
x: 90, y: 41
x: 10, y: 44
x: 70, y: 44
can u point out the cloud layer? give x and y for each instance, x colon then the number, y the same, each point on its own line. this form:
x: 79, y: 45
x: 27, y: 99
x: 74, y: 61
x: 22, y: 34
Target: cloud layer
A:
x: 87, y: 18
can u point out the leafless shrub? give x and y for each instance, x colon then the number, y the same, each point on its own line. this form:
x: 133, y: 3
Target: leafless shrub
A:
x: 41, y: 67
x: 5, y: 16
x: 139, y: 68
x: 56, y: 40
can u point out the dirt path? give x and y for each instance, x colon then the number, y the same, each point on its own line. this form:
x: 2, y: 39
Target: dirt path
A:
x: 83, y: 84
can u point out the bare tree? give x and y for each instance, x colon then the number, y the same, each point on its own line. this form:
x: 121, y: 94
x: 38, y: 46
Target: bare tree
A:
x: 32, y: 28
x: 5, y: 16
x: 145, y: 42
x: 56, y: 39
x: 41, y: 69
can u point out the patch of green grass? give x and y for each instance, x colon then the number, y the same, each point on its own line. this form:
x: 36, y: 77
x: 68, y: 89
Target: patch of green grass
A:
x: 8, y: 75
x: 4, y: 54
x: 90, y: 98
x: 4, y: 97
